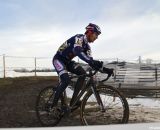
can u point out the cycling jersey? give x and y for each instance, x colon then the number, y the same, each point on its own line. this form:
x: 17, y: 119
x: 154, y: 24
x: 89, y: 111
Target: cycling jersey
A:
x: 76, y: 46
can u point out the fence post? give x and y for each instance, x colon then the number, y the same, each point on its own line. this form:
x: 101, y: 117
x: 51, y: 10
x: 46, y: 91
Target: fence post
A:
x: 4, y: 66
x: 35, y: 61
x: 115, y: 71
x: 156, y: 75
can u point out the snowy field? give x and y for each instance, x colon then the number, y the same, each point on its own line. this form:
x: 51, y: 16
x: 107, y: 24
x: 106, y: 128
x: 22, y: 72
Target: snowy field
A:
x: 12, y: 73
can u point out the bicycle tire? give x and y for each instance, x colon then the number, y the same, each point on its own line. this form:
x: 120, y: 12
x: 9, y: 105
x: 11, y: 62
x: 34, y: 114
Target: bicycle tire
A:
x: 90, y: 111
x: 40, y: 110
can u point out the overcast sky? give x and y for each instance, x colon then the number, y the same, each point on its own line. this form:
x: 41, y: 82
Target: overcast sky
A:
x: 130, y: 28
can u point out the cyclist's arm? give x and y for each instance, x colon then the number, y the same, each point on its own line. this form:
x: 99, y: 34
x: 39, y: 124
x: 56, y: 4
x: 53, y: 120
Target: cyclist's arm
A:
x: 78, y: 50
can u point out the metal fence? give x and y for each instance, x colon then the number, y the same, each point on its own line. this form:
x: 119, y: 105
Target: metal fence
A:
x: 15, y: 66
x: 132, y: 72
x: 132, y: 77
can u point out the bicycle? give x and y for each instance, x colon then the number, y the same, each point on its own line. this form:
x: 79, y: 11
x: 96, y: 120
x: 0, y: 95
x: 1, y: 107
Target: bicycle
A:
x: 101, y: 104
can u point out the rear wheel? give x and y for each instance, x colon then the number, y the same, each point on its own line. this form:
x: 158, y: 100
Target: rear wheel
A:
x: 45, y: 114
x: 115, y: 104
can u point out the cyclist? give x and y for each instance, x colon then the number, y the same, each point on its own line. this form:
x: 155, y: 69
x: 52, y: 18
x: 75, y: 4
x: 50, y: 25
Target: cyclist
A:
x: 63, y: 63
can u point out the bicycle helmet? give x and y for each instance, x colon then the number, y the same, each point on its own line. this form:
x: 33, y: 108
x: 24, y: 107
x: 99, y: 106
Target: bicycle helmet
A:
x: 94, y: 28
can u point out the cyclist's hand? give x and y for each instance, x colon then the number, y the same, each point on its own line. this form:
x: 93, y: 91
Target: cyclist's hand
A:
x: 108, y: 71
x: 95, y: 64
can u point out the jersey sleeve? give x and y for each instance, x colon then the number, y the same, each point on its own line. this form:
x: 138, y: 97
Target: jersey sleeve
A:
x: 89, y: 52
x: 78, y: 50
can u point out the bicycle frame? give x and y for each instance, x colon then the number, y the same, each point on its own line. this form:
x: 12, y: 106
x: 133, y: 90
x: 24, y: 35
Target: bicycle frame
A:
x: 92, y: 86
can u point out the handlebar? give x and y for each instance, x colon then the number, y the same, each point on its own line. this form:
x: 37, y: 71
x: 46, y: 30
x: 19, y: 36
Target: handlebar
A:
x: 109, y: 75
x: 93, y: 72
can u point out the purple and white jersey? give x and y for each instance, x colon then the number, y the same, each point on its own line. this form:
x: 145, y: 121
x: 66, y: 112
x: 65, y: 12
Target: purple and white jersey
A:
x: 76, y: 46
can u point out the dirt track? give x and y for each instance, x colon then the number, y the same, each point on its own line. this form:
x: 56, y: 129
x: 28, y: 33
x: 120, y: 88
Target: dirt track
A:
x: 17, y: 104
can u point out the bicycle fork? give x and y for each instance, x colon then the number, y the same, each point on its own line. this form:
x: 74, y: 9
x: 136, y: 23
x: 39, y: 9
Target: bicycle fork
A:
x: 98, y: 98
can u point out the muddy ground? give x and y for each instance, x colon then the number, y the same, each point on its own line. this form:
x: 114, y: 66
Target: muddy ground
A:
x: 18, y: 97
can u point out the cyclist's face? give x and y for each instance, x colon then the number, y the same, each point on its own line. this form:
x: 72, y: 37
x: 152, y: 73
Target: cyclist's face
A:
x: 92, y: 36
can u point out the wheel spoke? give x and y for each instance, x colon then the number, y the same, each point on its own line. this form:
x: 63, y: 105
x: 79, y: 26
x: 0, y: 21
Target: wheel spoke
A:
x: 43, y: 107
x: 115, y: 105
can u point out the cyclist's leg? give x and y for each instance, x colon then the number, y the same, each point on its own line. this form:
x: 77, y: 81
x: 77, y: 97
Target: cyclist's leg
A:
x: 77, y: 69
x: 64, y: 79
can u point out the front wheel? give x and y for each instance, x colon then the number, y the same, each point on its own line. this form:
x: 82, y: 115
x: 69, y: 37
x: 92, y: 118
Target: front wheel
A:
x: 115, y: 105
